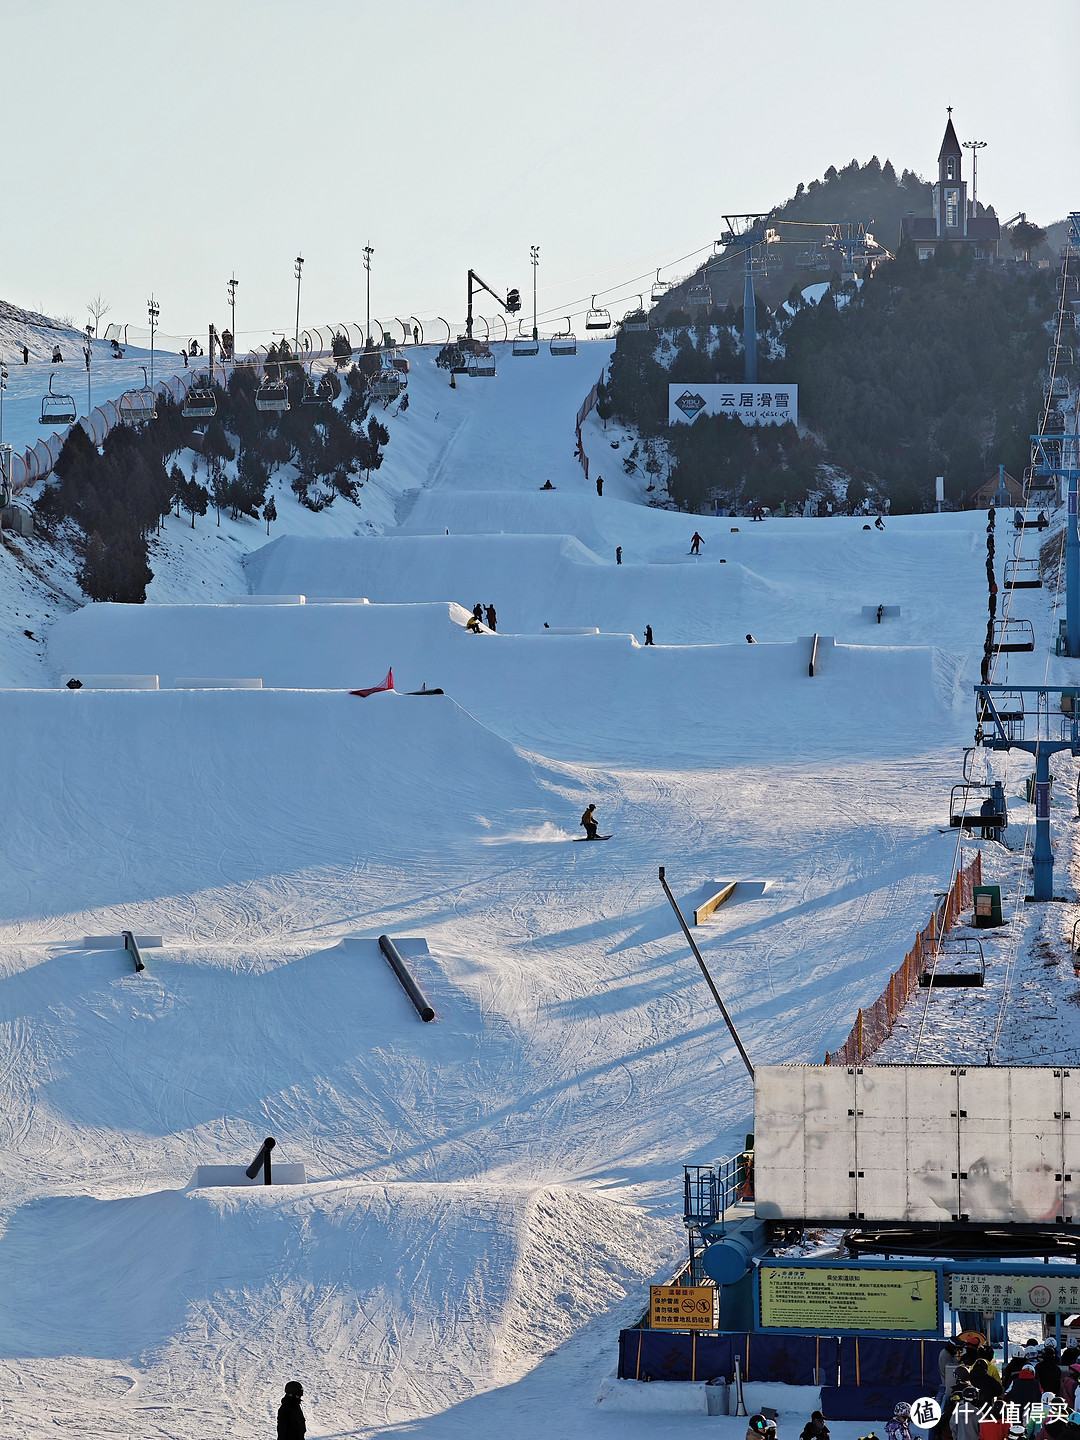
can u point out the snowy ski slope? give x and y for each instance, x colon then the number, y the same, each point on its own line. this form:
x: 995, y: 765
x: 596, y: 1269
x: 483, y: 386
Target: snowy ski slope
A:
x: 492, y: 1193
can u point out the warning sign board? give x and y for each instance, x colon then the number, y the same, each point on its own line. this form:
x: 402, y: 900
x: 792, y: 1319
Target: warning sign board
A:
x: 681, y: 1307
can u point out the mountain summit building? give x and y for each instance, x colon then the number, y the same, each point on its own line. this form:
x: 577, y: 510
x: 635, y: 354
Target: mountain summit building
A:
x: 954, y: 222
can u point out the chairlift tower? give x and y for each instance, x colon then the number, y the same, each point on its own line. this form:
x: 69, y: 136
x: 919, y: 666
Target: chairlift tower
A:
x: 1040, y: 732
x: 741, y: 235
x: 233, y: 283
x: 1057, y: 456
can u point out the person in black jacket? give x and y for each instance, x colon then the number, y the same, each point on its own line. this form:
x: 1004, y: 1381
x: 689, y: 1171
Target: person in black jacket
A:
x: 291, y: 1424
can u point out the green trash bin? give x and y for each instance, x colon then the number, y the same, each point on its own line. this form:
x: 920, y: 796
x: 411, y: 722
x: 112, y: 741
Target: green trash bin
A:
x: 987, y: 906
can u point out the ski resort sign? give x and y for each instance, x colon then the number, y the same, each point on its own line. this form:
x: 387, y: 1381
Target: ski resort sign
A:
x: 752, y: 404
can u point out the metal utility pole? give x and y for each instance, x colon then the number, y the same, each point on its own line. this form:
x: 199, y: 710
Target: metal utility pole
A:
x: 974, y: 146
x: 534, y: 256
x: 232, y: 307
x: 3, y: 388
x: 368, y: 252
x: 297, y: 270
x: 154, y: 311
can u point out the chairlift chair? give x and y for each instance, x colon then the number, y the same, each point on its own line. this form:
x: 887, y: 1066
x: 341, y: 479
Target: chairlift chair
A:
x: 272, y: 396
x: 966, y: 812
x: 1022, y: 575
x: 1059, y: 355
x: 1012, y: 636
x: 597, y: 318
x: 388, y: 385
x: 57, y: 409
x: 200, y: 403
x: 636, y: 321
x: 138, y: 405
x: 808, y: 260
x: 659, y: 289
x: 459, y: 364
x: 956, y: 962
x: 699, y: 294
x: 526, y: 345
x: 482, y: 367
x: 564, y: 343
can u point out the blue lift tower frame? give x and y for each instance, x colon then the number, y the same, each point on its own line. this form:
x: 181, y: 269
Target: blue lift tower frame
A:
x: 1058, y: 456
x: 1040, y: 732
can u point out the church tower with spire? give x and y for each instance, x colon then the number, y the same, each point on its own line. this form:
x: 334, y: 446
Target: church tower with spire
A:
x: 950, y: 192
x: 954, y: 223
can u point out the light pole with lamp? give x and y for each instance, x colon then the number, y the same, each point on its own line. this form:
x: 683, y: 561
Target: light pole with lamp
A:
x: 232, y: 306
x: 974, y: 146
x: 298, y: 268
x: 368, y: 252
x: 534, y: 256
x: 88, y: 354
x: 154, y: 311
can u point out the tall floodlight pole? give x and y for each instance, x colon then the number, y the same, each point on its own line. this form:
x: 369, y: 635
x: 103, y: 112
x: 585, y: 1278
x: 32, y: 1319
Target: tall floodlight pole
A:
x: 3, y: 387
x: 297, y: 270
x: 154, y: 311
x: 974, y: 146
x: 368, y: 252
x: 233, y: 282
x: 534, y: 256
x: 89, y: 358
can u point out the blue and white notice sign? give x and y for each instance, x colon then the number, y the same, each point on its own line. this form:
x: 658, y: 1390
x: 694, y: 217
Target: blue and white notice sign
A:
x: 752, y: 404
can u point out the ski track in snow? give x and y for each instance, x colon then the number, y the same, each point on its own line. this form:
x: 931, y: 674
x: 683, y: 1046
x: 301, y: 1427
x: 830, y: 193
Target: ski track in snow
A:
x: 492, y: 1193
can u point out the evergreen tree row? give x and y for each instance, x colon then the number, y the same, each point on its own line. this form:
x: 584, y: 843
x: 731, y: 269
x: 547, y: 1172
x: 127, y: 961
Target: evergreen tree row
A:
x: 118, y: 495
x: 932, y: 368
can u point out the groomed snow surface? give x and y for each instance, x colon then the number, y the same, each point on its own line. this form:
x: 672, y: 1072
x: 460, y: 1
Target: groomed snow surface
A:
x: 490, y: 1194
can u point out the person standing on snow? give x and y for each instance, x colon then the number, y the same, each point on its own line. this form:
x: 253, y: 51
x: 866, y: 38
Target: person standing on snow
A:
x: 478, y: 613
x: 492, y: 619
x: 695, y: 543
x: 618, y: 554
x: 599, y: 485
x: 291, y: 1424
x: 899, y: 1427
x: 590, y: 822
x: 816, y: 1429
x: 648, y: 635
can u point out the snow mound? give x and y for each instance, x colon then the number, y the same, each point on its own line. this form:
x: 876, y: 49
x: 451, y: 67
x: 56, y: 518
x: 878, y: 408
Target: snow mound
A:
x: 359, y: 1288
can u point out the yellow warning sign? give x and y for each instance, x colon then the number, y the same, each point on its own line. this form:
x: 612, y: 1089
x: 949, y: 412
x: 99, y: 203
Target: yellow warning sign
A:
x: 681, y: 1307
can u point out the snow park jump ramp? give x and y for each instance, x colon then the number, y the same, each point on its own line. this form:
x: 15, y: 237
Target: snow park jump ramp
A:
x: 598, y: 698
x: 774, y: 586
x: 164, y: 793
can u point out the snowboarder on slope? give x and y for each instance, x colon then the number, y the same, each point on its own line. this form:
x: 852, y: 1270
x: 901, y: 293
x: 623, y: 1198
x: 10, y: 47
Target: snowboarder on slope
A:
x: 291, y: 1424
x: 547, y: 485
x: 618, y: 554
x: 590, y: 822
x: 879, y: 523
x: 599, y: 485
x: 695, y: 543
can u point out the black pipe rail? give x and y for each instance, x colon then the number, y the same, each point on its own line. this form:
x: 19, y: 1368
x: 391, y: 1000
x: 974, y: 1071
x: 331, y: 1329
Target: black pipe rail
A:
x: 132, y: 947
x: 708, y: 978
x: 813, y: 655
x: 423, y: 1006
x: 262, y: 1162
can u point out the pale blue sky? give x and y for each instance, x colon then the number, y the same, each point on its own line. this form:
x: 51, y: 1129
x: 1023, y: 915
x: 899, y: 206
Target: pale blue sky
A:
x: 152, y: 149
